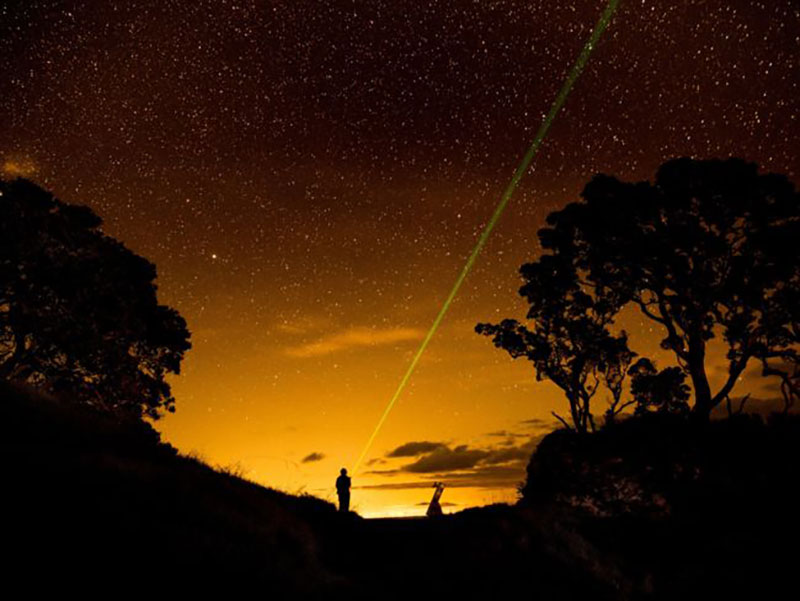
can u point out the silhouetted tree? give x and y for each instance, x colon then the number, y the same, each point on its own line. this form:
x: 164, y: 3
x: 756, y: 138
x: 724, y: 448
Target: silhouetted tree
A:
x: 78, y: 310
x: 662, y: 391
x: 568, y: 341
x: 779, y: 356
x: 615, y: 367
x: 789, y: 374
x: 710, y: 248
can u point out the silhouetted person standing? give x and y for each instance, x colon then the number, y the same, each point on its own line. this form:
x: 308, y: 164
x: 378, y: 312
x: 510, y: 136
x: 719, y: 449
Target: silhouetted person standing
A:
x: 343, y: 490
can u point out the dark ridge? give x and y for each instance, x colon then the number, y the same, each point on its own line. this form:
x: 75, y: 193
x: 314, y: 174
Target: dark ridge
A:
x: 97, y: 501
x: 91, y: 496
x: 650, y: 508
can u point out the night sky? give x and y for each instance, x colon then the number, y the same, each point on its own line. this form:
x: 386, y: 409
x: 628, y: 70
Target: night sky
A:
x: 309, y: 178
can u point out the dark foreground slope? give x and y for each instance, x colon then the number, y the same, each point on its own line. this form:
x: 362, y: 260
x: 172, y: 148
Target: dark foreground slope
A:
x: 639, y: 512
x: 698, y: 509
x: 89, y: 497
x: 91, y: 502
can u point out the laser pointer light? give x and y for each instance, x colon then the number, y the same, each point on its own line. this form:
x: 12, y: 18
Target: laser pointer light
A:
x: 561, y: 98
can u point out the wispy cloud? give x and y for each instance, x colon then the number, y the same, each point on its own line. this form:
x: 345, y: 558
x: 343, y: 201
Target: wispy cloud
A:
x: 755, y: 405
x: 412, y: 449
x: 541, y: 424
x: 302, y: 325
x: 311, y: 457
x: 483, y: 476
x: 18, y: 167
x: 353, y: 338
x: 506, y: 434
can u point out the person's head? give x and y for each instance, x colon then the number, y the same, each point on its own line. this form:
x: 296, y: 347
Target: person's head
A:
x: 343, y: 471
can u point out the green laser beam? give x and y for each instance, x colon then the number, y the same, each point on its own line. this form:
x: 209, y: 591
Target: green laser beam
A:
x: 561, y: 98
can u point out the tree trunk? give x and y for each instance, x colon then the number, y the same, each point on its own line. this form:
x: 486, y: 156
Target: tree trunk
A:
x: 697, y: 371
x: 574, y: 407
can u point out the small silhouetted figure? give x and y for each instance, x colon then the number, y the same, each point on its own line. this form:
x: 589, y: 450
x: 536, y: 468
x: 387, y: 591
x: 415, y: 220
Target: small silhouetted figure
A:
x: 435, y: 509
x: 343, y: 490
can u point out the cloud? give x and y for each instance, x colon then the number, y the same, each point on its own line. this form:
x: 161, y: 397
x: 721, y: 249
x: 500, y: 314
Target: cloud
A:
x: 412, y: 449
x: 353, y: 338
x: 753, y: 405
x: 396, y: 486
x: 486, y: 476
x: 506, y: 434
x: 310, y: 458
x: 489, y: 476
x: 383, y: 472
x: 304, y: 324
x: 507, y: 455
x: 18, y: 167
x: 537, y: 422
x: 494, y: 466
x: 445, y: 459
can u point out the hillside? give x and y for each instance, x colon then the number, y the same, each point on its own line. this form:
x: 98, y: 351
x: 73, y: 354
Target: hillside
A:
x: 86, y: 491
x: 97, y: 500
x: 94, y: 502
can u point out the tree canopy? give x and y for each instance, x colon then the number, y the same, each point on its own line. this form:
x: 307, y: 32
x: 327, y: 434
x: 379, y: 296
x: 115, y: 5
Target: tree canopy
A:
x: 568, y: 341
x: 709, y: 249
x: 78, y: 310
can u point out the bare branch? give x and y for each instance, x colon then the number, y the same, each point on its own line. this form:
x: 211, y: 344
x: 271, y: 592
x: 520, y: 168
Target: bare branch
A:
x: 562, y: 420
x: 742, y: 402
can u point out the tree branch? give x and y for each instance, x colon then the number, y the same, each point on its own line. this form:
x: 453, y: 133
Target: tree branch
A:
x: 562, y: 420
x: 737, y: 367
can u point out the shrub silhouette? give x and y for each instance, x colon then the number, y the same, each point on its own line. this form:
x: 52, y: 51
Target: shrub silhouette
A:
x: 663, y: 391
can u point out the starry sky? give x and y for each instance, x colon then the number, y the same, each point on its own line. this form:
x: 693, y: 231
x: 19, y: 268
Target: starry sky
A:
x: 310, y: 176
